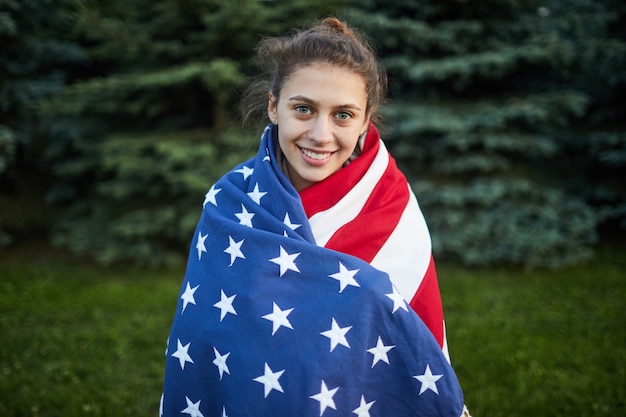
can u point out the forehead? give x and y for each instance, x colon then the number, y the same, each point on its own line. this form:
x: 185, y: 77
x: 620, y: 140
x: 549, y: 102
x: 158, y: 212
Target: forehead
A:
x: 326, y: 84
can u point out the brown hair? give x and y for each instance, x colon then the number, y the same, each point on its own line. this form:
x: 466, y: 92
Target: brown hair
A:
x: 330, y: 41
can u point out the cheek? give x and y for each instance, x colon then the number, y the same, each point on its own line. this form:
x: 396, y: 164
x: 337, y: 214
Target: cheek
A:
x: 288, y: 130
x: 350, y: 139
x: 284, y: 139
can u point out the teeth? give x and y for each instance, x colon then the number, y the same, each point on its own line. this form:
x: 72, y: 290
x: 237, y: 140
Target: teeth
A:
x: 315, y: 155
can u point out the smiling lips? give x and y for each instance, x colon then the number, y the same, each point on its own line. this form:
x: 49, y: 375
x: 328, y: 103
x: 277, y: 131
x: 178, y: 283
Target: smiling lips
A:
x: 315, y: 156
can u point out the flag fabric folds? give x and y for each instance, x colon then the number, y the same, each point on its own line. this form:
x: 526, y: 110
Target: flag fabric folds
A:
x: 272, y: 323
x: 368, y: 210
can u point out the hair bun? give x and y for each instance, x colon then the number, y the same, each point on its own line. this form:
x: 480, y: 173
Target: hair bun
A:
x: 338, y: 26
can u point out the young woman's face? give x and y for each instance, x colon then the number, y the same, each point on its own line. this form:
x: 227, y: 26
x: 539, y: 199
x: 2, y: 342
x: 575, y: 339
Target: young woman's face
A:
x: 320, y: 116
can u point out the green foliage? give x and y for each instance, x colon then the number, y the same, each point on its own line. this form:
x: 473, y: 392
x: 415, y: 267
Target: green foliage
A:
x: 8, y: 143
x: 122, y: 114
x: 137, y: 140
x: 498, y: 220
x: 148, y: 189
x: 497, y: 115
x: 32, y: 62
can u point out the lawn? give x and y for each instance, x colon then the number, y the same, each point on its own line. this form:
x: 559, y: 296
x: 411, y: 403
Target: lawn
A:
x: 81, y: 340
x: 540, y: 343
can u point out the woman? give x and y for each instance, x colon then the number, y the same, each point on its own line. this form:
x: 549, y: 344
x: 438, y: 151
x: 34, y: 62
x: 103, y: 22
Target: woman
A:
x: 310, y: 288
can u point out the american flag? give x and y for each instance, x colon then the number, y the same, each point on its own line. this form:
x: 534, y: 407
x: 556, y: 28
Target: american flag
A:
x: 369, y: 211
x: 278, y: 316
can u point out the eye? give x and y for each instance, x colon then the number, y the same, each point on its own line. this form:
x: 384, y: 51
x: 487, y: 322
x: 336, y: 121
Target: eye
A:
x: 344, y: 115
x: 303, y: 110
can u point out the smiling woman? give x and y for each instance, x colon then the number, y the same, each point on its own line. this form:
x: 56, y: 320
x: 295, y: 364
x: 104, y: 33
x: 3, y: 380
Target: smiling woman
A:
x: 321, y: 235
x: 321, y: 118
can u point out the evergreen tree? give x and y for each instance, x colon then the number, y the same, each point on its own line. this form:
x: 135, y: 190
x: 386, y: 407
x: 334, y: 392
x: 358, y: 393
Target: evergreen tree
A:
x: 598, y: 143
x: 33, y: 65
x: 139, y: 139
x: 491, y: 116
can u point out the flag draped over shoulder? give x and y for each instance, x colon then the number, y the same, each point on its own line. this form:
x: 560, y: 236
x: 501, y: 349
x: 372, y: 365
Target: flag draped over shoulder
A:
x: 272, y: 323
x: 368, y: 210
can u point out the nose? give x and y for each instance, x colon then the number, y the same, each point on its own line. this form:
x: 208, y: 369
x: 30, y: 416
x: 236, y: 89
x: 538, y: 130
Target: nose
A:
x: 321, y: 131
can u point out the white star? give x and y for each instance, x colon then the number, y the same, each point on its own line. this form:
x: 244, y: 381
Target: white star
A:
x: 288, y: 223
x: 279, y: 318
x: 209, y: 197
x: 364, y: 408
x: 234, y: 250
x: 245, y: 171
x: 345, y: 277
x: 193, y: 409
x: 337, y: 335
x: 286, y: 261
x: 224, y: 412
x: 380, y: 352
x: 398, y: 300
x: 220, y: 362
x: 270, y: 380
x: 181, y: 354
x: 325, y: 397
x: 245, y: 217
x: 428, y: 380
x: 188, y: 297
x: 225, y: 305
x: 200, y: 244
x: 161, y: 406
x: 256, y: 195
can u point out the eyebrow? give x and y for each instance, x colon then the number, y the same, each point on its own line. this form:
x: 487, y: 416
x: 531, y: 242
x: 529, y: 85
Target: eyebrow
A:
x: 313, y: 102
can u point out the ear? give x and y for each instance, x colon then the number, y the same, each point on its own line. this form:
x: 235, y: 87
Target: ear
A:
x: 272, y: 107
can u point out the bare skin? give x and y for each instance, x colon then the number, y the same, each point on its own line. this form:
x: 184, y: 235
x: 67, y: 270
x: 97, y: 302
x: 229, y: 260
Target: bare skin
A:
x: 320, y: 116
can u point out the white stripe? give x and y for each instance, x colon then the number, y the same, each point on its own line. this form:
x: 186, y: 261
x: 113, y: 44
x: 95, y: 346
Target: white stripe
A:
x: 444, y: 349
x: 325, y: 223
x: 405, y: 256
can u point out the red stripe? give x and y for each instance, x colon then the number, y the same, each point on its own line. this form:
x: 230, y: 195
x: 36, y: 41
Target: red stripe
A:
x: 427, y: 303
x: 367, y: 233
x: 325, y: 194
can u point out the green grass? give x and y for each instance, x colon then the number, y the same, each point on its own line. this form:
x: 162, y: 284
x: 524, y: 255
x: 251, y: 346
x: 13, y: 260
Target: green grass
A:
x: 79, y: 340
x: 540, y: 343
